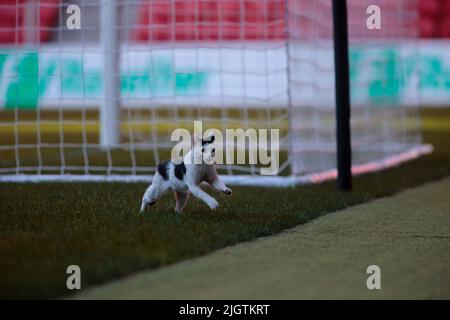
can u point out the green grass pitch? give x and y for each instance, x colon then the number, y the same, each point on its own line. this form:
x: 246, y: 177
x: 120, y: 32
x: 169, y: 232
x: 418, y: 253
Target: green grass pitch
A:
x: 46, y: 227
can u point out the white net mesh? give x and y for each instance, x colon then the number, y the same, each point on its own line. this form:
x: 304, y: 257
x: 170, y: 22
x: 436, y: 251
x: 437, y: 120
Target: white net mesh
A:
x: 383, y: 79
x: 229, y: 63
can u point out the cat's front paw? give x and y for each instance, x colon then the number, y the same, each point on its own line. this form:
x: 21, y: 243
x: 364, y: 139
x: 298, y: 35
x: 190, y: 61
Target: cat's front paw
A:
x: 227, y: 191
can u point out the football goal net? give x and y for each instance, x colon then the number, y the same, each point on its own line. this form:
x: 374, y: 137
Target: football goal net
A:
x: 92, y: 90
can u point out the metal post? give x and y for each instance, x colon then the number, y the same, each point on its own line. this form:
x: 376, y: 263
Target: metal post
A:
x: 342, y: 87
x: 110, y: 103
x: 31, y: 30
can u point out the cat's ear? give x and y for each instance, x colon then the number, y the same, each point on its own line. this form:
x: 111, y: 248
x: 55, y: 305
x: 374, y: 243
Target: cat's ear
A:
x: 210, y: 138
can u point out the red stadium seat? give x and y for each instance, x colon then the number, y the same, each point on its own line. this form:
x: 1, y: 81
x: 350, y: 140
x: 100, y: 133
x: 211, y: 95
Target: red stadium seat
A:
x: 12, y: 20
x: 429, y: 7
x: 211, y: 20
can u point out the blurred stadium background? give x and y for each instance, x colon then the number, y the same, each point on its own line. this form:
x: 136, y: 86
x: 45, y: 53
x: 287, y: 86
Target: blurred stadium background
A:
x: 231, y: 63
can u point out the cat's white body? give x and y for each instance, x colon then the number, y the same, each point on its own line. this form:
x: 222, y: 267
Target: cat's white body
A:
x: 185, y: 178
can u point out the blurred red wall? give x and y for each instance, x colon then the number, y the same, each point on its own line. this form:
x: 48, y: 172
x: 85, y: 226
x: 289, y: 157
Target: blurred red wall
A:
x: 164, y: 20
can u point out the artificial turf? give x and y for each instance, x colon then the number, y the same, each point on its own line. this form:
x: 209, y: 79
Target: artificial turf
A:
x: 406, y: 235
x: 46, y: 227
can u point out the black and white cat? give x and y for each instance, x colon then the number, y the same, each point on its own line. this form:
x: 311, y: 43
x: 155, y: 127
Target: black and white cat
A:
x: 185, y: 178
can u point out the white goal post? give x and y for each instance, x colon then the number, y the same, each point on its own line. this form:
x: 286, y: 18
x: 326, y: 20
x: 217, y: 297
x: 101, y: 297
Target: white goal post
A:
x: 99, y: 103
